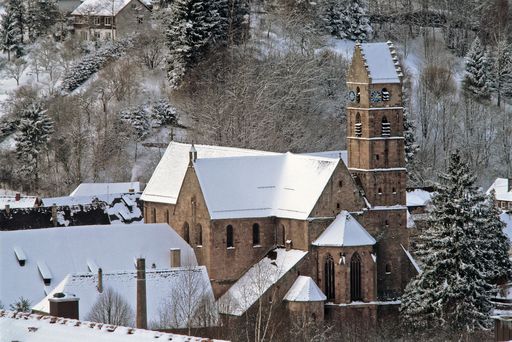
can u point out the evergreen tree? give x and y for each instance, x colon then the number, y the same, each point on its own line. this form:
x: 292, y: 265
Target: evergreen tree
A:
x: 194, y: 27
x: 163, y: 113
x: 496, y: 244
x: 238, y: 20
x: 346, y: 19
x: 41, y: 16
x: 502, y: 71
x: 34, y: 131
x: 18, y: 9
x: 452, y: 292
x: 477, y: 81
x: 138, y: 119
x: 10, y: 34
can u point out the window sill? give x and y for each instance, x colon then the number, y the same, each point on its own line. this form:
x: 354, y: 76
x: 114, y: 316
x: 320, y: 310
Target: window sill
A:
x: 230, y: 248
x: 199, y: 246
x: 256, y: 246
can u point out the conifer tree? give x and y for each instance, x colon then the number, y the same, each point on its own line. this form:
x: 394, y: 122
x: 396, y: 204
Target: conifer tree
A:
x: 10, y: 34
x: 164, y: 113
x: 347, y: 19
x: 502, y: 71
x: 18, y: 9
x: 34, y: 130
x: 41, y: 16
x: 452, y: 292
x: 194, y: 27
x: 495, y: 244
x: 477, y: 81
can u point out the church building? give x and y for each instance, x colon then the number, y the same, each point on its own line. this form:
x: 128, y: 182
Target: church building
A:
x: 328, y: 228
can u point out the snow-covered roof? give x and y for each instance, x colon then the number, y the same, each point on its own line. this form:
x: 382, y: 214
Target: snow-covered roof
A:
x: 304, y: 289
x: 162, y: 289
x: 22, y: 202
x: 75, y: 249
x: 257, y: 280
x: 95, y: 189
x: 381, y: 62
x: 410, y: 221
x: 418, y: 198
x: 165, y: 183
x: 341, y: 154
x: 412, y: 260
x: 284, y: 185
x: 344, y: 231
x: 501, y: 189
x: 104, y: 7
x: 38, y: 328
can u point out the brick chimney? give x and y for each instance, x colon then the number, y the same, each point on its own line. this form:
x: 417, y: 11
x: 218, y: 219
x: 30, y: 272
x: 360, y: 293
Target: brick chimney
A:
x: 175, y: 257
x: 509, y: 184
x: 142, y: 317
x: 64, y: 305
x: 100, y: 280
x: 192, y: 154
x: 54, y: 215
x: 18, y: 196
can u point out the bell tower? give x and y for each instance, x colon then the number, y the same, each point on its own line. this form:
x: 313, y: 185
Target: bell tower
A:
x: 376, y: 157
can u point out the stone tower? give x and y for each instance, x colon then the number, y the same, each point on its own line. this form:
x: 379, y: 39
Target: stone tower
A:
x: 376, y: 157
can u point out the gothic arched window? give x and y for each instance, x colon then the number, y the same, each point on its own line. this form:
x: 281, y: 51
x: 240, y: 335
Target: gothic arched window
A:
x: 358, y: 95
x: 199, y: 232
x: 255, y: 234
x: 385, y: 127
x: 358, y: 127
x: 329, y: 277
x: 229, y: 236
x: 186, y: 232
x: 355, y: 278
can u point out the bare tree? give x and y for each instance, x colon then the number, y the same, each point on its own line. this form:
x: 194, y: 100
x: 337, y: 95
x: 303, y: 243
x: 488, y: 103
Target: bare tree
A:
x: 15, y: 68
x: 22, y: 305
x: 111, y: 308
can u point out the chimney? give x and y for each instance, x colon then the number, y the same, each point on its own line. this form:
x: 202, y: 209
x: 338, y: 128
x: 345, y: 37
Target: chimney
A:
x: 509, y: 184
x: 7, y: 209
x: 54, y: 215
x: 288, y: 245
x: 100, y: 280
x: 192, y: 154
x: 64, y: 305
x: 18, y: 196
x: 131, y: 190
x: 142, y: 318
x: 175, y: 257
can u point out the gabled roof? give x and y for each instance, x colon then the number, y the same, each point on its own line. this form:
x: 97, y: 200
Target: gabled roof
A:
x: 304, y: 289
x: 81, y: 249
x: 501, y: 188
x: 257, y: 280
x: 164, y: 289
x: 344, y: 231
x: 103, y: 7
x: 284, y: 185
x: 165, y: 183
x: 95, y: 189
x: 381, y: 62
x: 418, y: 197
x: 37, y: 328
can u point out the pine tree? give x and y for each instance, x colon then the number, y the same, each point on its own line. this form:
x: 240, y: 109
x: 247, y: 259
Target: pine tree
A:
x: 163, y: 113
x: 453, y: 291
x: 496, y: 244
x: 10, y: 34
x: 138, y: 119
x: 477, y: 81
x: 34, y: 131
x: 18, y: 9
x: 41, y: 16
x: 346, y: 19
x: 502, y: 71
x: 194, y: 27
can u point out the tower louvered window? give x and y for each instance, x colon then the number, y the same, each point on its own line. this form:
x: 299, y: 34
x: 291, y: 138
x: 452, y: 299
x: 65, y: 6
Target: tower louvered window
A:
x: 385, y: 95
x: 358, y: 127
x: 385, y: 127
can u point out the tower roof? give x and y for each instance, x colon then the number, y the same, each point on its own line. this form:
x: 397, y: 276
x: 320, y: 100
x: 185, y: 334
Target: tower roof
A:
x: 381, y: 62
x: 304, y: 290
x: 344, y: 231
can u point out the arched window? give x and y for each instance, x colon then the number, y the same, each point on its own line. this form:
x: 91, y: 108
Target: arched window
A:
x: 355, y: 278
x: 186, y: 232
x: 340, y: 184
x: 329, y: 277
x: 229, y: 236
x: 379, y: 191
x: 199, y: 236
x: 394, y: 190
x: 255, y: 234
x: 385, y: 94
x: 358, y: 95
x: 385, y: 127
x: 388, y: 268
x: 358, y: 127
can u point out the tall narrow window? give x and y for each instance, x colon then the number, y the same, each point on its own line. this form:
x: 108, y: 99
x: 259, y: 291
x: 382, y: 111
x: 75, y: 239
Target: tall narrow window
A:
x: 385, y: 127
x: 186, y: 232
x: 281, y: 235
x: 358, y: 95
x: 358, y: 127
x: 255, y: 234
x: 154, y: 215
x: 355, y: 278
x: 385, y: 95
x: 168, y: 217
x: 329, y: 278
x: 229, y: 236
x: 199, y: 237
